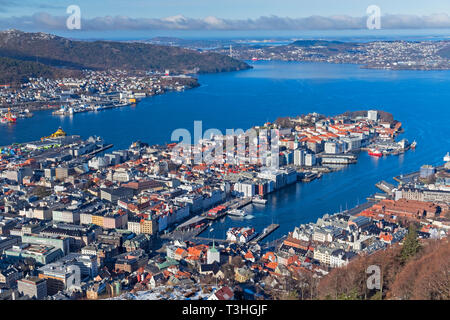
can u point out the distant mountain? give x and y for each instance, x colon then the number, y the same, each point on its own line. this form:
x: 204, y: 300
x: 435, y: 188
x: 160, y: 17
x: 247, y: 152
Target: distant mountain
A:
x: 188, y: 43
x: 60, y: 52
x: 327, y: 47
x: 314, y: 43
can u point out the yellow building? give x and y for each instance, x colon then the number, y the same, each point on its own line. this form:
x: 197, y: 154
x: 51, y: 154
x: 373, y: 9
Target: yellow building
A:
x: 242, y: 275
x: 97, y: 220
x: 149, y: 226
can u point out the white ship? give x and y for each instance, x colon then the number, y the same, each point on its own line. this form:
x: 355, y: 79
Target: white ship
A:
x: 447, y: 157
x: 237, y: 213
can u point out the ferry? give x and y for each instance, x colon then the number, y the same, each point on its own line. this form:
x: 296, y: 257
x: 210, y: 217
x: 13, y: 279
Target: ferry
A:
x: 237, y: 213
x: 375, y: 153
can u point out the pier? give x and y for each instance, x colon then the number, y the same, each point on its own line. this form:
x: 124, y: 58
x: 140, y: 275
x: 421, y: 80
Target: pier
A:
x: 385, y: 186
x: 240, y: 203
x: 99, y: 150
x: 265, y: 233
x: 211, y: 240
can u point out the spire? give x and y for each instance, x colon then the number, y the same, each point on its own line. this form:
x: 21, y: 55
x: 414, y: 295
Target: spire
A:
x: 213, y: 249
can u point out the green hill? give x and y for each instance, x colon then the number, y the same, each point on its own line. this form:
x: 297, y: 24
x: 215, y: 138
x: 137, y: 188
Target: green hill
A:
x: 54, y: 51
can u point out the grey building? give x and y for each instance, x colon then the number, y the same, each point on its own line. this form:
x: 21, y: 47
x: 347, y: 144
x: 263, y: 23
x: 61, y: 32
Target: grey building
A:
x: 33, y: 287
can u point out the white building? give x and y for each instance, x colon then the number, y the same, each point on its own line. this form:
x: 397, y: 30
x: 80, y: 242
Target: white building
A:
x: 299, y: 157
x: 134, y: 226
x: 372, y: 115
x: 310, y: 160
x: 245, y: 188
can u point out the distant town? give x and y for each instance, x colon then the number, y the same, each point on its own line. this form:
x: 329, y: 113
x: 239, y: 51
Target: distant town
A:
x: 389, y: 55
x: 78, y: 221
x: 93, y: 91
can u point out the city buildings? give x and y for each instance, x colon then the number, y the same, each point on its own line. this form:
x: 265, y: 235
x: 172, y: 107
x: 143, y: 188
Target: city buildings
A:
x: 76, y: 224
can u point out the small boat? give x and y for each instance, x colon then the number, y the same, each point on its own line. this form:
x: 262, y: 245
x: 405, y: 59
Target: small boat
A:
x: 413, y: 144
x: 259, y: 200
x: 237, y: 213
x: 375, y: 153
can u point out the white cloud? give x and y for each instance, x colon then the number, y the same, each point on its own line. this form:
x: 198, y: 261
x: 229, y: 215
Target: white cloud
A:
x: 47, y: 22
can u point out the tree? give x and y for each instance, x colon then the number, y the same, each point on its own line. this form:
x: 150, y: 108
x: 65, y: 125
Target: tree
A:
x: 377, y: 296
x: 411, y: 244
x: 237, y: 261
x: 352, y: 295
x: 42, y: 192
x: 290, y: 295
x: 228, y: 271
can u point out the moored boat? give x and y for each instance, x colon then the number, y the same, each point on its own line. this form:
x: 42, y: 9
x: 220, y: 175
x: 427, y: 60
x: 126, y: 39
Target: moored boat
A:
x: 375, y: 153
x: 9, y: 117
x: 259, y: 200
x: 237, y: 213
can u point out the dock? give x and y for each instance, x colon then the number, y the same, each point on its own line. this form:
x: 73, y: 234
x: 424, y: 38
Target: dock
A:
x: 385, y: 186
x: 206, y: 239
x: 241, y: 203
x: 265, y: 233
x: 99, y: 150
x: 409, y: 177
x: 231, y: 204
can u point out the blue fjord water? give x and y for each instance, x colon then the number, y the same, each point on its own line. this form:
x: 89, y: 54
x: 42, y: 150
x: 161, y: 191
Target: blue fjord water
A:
x: 419, y: 99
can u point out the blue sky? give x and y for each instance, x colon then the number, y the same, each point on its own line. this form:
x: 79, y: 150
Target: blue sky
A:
x: 223, y: 14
